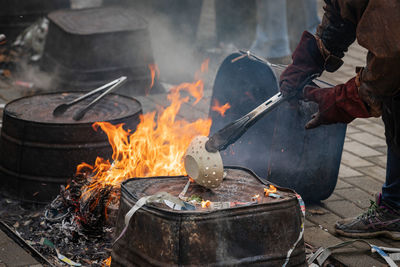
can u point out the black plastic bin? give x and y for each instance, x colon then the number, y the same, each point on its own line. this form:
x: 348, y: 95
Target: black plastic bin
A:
x: 89, y: 47
x: 278, y: 147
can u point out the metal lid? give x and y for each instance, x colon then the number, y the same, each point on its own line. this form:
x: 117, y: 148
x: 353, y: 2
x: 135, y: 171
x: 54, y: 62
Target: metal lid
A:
x: 240, y: 185
x: 39, y: 108
x: 97, y: 20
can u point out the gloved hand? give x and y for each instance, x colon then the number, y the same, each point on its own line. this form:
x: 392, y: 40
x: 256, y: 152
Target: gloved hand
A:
x: 307, y: 60
x: 341, y: 103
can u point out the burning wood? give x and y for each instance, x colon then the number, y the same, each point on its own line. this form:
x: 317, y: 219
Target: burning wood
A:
x: 156, y: 148
x: 84, y: 212
x: 87, y: 206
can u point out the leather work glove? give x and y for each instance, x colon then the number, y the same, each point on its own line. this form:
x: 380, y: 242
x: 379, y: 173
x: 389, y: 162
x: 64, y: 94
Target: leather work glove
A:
x: 307, y: 61
x: 341, y: 103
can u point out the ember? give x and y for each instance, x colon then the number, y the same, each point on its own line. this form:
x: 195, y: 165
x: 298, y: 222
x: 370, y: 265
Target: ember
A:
x: 107, y: 262
x: 220, y: 109
x: 269, y: 190
x: 205, y: 204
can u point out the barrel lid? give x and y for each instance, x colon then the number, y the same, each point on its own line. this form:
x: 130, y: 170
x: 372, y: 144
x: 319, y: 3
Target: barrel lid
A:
x: 97, y: 20
x: 39, y: 108
x: 239, y: 185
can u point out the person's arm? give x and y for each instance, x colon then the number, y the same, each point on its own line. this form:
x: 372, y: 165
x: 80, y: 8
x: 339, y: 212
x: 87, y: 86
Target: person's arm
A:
x: 375, y: 25
x: 315, y: 54
x: 361, y: 97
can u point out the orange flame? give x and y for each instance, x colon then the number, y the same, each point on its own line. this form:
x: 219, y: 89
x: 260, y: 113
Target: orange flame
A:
x: 203, y: 68
x: 156, y: 148
x: 205, y: 204
x: 220, y: 109
x: 271, y: 189
x: 106, y: 262
x: 154, y: 72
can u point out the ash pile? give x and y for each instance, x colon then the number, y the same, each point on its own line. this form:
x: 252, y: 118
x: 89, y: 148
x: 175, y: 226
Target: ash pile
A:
x: 69, y: 230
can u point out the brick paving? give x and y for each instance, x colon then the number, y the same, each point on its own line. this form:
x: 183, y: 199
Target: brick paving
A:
x: 362, y: 169
x: 12, y: 254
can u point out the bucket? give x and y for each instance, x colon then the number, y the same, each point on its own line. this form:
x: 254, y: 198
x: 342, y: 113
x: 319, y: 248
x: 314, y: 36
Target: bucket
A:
x: 87, y: 47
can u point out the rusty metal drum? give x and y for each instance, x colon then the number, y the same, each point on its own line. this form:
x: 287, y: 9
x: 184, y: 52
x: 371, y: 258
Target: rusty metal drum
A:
x: 39, y: 152
x: 253, y: 235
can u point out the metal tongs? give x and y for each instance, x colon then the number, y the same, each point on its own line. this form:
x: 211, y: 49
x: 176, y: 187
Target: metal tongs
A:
x: 203, y: 150
x: 59, y: 110
x: 233, y: 131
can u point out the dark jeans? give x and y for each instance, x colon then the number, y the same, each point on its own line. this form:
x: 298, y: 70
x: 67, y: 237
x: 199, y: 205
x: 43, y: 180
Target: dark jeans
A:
x: 391, y: 188
x: 391, y: 118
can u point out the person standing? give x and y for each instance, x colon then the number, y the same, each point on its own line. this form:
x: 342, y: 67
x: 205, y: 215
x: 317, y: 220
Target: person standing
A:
x: 277, y: 21
x: 373, y: 92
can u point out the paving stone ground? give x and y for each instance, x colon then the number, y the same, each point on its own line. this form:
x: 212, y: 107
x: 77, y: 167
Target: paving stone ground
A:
x: 362, y: 169
x: 12, y: 254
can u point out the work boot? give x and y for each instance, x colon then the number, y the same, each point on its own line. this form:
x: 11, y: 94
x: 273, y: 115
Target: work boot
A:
x: 379, y: 220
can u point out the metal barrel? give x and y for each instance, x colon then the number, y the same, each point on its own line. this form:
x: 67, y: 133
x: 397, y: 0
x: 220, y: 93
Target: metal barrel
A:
x: 254, y: 235
x: 39, y: 152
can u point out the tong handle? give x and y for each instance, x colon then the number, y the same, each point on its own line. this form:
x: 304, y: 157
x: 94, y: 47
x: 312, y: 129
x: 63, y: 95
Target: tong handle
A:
x: 60, y: 109
x: 81, y: 112
x: 95, y: 91
x: 233, y: 131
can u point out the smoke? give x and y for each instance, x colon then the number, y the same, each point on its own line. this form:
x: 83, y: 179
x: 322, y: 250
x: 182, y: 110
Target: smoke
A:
x: 186, y: 32
x: 175, y: 53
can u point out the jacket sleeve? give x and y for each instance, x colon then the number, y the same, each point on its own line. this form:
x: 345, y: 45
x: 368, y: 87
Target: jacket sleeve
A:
x: 375, y: 25
x: 337, y: 31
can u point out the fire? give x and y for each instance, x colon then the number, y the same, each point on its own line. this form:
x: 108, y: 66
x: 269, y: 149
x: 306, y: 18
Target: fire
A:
x: 205, y: 204
x: 107, y: 262
x: 154, y: 72
x: 155, y: 148
x: 272, y: 189
x: 220, y: 109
